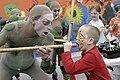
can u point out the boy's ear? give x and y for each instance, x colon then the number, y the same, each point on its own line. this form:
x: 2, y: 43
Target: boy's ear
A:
x: 32, y: 20
x: 91, y: 41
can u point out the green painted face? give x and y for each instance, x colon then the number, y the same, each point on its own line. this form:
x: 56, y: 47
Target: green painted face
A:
x: 15, y: 15
x: 14, y: 18
x: 9, y: 7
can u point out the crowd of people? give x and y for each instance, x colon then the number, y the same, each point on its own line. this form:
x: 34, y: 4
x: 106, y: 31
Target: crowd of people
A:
x: 41, y: 27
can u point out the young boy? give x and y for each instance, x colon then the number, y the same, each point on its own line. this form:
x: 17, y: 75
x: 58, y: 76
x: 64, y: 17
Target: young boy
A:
x: 91, y: 63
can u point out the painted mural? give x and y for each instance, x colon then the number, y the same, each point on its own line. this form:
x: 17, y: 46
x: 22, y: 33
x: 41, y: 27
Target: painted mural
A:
x: 26, y: 5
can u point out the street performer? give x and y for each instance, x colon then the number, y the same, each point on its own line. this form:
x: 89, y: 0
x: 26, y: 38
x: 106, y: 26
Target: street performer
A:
x: 34, y: 31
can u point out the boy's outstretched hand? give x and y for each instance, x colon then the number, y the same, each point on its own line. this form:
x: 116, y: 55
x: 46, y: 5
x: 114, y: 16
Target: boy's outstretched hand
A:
x: 67, y: 46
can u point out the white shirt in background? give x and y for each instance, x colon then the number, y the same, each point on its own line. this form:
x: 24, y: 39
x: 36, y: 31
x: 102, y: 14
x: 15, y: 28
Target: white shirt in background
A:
x: 99, y: 24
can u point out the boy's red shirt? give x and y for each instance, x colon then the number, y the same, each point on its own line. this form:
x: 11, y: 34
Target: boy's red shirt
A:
x: 91, y: 64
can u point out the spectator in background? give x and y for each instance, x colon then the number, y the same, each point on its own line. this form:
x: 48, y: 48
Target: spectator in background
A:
x: 15, y: 15
x: 115, y: 24
x: 115, y: 29
x: 59, y: 31
x: 97, y: 22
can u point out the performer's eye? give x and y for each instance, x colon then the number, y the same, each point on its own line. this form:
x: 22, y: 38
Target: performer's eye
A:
x: 18, y: 14
x: 46, y: 22
x: 37, y: 17
x: 56, y: 10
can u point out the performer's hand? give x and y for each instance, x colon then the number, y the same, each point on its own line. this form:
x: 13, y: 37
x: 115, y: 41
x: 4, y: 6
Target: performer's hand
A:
x: 67, y: 46
x: 44, y: 53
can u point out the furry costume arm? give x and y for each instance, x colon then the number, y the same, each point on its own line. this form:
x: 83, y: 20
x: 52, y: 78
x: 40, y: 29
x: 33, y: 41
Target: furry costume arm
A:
x: 47, y: 64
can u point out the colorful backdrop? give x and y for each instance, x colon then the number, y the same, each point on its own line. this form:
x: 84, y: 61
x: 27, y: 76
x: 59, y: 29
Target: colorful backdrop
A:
x: 26, y: 5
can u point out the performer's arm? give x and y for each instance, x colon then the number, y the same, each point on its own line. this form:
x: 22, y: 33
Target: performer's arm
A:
x: 4, y: 35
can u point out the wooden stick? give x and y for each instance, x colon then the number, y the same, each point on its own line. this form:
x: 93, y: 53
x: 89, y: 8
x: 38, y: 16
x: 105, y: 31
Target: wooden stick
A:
x: 70, y: 25
x: 31, y: 48
x: 69, y: 31
x: 60, y: 40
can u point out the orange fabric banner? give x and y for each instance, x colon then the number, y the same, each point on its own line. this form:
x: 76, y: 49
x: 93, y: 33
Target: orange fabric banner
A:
x: 26, y: 5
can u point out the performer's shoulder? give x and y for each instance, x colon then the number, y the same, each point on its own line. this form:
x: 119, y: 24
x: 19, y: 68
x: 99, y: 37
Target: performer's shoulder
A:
x: 9, y: 27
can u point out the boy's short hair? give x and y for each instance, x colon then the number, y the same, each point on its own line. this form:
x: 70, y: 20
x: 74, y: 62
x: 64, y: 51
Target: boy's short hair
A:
x: 93, y: 32
x: 117, y: 7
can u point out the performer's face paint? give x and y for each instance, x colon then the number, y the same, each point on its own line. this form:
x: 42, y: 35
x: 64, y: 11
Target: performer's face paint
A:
x: 82, y: 39
x: 16, y: 12
x: 94, y: 14
x: 43, y: 25
x: 55, y: 12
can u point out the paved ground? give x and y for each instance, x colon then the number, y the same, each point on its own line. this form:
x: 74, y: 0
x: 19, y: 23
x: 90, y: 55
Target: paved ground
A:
x: 75, y: 56
x: 26, y: 77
